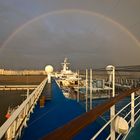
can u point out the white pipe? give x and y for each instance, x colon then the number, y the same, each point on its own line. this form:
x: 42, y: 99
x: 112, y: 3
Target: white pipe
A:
x: 111, y: 71
x: 78, y: 88
x: 90, y: 89
x: 132, y: 109
x: 86, y: 90
x: 49, y: 78
x: 112, y: 109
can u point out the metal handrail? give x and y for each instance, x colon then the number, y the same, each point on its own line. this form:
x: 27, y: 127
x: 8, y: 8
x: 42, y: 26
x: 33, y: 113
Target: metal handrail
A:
x: 108, y: 137
x: 4, y: 128
x: 137, y: 112
x: 14, y: 86
x: 110, y: 121
x: 127, y: 114
x: 97, y: 134
x: 137, y: 105
x: 114, y: 118
x: 137, y: 97
x: 137, y: 118
x: 131, y: 127
x: 75, y: 126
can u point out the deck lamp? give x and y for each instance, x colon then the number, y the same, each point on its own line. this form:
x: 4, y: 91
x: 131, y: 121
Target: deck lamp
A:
x: 49, y: 70
x: 111, y: 71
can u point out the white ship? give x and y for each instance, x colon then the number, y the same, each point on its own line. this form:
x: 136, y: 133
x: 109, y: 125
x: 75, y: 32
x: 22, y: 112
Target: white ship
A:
x: 66, y: 74
x: 68, y: 80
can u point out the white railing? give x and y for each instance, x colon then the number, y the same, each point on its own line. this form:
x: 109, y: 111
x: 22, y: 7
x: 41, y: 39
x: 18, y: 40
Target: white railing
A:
x: 131, y: 122
x: 22, y: 72
x: 17, y: 87
x: 13, y: 126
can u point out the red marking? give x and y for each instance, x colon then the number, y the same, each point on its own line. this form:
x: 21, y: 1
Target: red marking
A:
x: 7, y: 115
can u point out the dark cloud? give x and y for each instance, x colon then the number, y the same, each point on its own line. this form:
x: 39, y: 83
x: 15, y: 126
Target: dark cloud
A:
x: 88, y: 40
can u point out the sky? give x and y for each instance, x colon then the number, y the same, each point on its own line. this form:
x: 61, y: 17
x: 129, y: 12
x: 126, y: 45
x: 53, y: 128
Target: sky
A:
x: 91, y: 33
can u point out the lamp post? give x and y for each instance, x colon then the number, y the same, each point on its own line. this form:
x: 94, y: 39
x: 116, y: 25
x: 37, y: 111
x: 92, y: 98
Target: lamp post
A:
x: 86, y: 90
x: 91, y: 89
x: 49, y: 70
x: 111, y: 71
x: 78, y: 96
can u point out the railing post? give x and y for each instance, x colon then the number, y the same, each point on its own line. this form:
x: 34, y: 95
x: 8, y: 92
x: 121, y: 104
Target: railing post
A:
x: 78, y: 88
x: 9, y: 135
x: 25, y: 121
x: 86, y: 90
x: 111, y: 71
x: 90, y: 89
x: 112, y: 109
x: 132, y: 109
x: 27, y: 92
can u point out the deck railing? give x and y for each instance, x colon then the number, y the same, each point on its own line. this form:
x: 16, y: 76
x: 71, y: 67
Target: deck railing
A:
x: 22, y: 72
x: 131, y: 121
x: 72, y: 128
x: 11, y: 129
x: 17, y: 87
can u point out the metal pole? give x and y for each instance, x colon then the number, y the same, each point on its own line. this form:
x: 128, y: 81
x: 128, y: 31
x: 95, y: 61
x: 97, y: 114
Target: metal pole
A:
x: 86, y: 90
x: 90, y: 89
x: 27, y: 92
x: 78, y: 88
x: 49, y: 78
x: 112, y: 109
x: 111, y: 71
x: 132, y: 109
x: 113, y: 84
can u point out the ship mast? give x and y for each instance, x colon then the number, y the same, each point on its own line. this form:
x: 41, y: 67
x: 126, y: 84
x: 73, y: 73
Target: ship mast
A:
x: 65, y: 65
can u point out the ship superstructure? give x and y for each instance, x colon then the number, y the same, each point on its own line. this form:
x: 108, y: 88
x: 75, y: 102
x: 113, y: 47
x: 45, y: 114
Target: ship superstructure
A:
x: 68, y: 80
x: 66, y: 73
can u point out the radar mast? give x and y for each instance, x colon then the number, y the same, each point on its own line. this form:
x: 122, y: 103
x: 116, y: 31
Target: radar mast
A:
x: 65, y: 65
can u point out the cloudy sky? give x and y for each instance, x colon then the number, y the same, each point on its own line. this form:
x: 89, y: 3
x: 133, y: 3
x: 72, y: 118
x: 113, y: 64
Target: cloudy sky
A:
x: 90, y: 33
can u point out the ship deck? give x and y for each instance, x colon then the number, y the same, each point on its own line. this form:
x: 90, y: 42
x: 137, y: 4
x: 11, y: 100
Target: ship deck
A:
x: 57, y: 112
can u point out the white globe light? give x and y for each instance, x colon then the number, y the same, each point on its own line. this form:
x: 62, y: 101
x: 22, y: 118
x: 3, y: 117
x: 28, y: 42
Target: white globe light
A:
x: 121, y: 125
x: 109, y: 69
x: 49, y: 69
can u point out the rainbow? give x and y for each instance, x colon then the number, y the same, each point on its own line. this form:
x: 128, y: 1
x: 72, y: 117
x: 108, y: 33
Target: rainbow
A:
x: 71, y: 10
